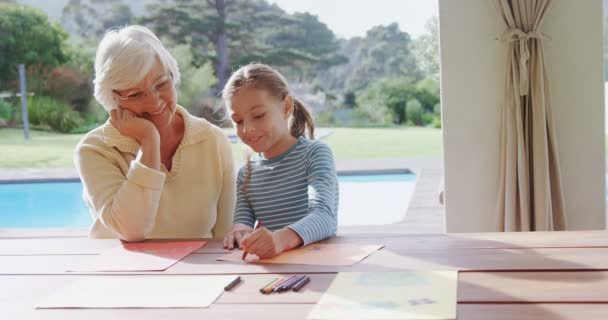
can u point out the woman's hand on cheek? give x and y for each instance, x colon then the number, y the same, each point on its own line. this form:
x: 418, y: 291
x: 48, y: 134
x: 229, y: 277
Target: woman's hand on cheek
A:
x: 130, y: 125
x: 263, y: 243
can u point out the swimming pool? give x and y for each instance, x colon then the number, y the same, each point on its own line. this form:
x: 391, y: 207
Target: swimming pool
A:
x: 364, y: 199
x: 42, y: 205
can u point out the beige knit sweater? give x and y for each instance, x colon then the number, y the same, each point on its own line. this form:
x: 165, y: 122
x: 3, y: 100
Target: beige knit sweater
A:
x: 130, y: 201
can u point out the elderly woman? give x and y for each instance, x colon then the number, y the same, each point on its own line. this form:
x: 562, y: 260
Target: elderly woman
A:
x: 153, y: 170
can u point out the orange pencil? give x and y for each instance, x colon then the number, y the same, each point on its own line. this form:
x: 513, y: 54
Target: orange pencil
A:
x: 255, y: 226
x: 269, y: 285
x: 270, y: 288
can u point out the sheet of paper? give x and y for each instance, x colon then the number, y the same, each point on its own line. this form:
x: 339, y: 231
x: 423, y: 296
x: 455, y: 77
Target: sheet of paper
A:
x: 314, y: 254
x: 141, y: 256
x: 139, y: 291
x: 414, y: 295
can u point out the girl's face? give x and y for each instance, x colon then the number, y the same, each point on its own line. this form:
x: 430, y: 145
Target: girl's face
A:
x: 154, y: 98
x: 261, y: 120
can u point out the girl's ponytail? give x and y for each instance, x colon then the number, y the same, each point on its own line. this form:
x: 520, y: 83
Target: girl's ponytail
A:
x: 301, y: 120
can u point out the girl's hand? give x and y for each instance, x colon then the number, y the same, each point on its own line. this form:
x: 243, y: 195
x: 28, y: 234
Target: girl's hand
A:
x: 238, y: 232
x: 263, y: 243
x: 130, y: 125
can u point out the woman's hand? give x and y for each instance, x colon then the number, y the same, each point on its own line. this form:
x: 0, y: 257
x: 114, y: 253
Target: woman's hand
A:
x: 143, y: 131
x: 267, y: 244
x: 238, y: 232
x: 130, y: 125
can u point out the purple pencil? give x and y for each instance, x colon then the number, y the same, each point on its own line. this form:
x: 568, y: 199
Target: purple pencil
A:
x: 289, y: 284
x: 301, y: 283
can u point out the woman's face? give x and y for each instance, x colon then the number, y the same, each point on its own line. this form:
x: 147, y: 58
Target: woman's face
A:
x: 153, y: 98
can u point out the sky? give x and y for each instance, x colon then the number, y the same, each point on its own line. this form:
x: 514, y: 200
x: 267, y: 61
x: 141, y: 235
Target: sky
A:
x: 349, y: 18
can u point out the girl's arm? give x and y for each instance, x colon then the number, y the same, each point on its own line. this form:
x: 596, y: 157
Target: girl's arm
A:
x: 322, y: 219
x: 243, y: 212
x: 244, y: 218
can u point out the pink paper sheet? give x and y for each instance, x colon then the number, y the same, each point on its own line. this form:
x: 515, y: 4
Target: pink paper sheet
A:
x: 313, y: 254
x: 141, y: 256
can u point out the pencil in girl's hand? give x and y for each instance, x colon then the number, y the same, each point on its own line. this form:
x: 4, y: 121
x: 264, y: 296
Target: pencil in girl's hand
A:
x: 255, y: 227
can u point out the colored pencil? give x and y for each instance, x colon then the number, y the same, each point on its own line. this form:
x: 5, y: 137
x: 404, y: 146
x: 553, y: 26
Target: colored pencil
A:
x: 256, y: 225
x: 269, y: 284
x: 233, y: 283
x: 278, y: 286
x: 301, y: 283
x: 288, y: 285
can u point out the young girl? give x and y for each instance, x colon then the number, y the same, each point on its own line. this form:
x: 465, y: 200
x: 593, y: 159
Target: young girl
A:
x: 292, y: 189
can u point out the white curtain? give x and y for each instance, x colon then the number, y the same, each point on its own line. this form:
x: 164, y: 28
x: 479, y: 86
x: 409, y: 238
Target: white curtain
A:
x: 531, y: 196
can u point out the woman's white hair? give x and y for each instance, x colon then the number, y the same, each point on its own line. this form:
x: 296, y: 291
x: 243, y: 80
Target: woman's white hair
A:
x: 124, y: 57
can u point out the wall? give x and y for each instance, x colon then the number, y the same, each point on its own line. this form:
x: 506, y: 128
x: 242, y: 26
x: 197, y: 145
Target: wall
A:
x: 473, y: 67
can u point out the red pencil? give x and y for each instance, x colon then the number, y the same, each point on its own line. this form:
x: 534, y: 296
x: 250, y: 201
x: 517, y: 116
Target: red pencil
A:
x: 255, y: 226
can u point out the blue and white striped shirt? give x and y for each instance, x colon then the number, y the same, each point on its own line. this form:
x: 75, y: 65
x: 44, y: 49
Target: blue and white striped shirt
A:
x: 298, y: 190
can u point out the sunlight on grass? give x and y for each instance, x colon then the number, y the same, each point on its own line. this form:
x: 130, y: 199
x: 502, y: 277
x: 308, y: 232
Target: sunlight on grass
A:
x: 43, y: 149
x: 46, y: 149
x: 400, y: 142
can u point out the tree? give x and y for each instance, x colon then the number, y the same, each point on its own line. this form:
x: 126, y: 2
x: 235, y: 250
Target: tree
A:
x: 394, y: 96
x: 426, y: 50
x: 350, y: 100
x: 384, y: 52
x: 92, y: 18
x: 198, y: 78
x: 312, y: 38
x: 230, y: 33
x: 387, y: 99
x: 336, y: 77
x: 81, y: 55
x: 28, y: 37
x: 413, y: 110
x: 427, y: 93
x: 212, y: 28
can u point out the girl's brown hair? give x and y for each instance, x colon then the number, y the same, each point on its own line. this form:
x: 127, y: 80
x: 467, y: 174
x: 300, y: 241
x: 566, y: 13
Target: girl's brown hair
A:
x: 261, y: 76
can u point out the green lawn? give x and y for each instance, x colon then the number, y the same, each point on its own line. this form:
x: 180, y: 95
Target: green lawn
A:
x: 401, y: 142
x: 43, y: 149
x: 46, y: 149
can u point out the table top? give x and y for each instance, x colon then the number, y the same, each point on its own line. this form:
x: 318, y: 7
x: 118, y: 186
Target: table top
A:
x: 532, y: 275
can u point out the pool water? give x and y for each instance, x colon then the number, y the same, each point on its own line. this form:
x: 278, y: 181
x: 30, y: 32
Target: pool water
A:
x: 374, y: 199
x: 42, y: 205
x: 364, y: 199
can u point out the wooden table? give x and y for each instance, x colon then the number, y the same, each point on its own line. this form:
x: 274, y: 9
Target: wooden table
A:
x: 558, y: 275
